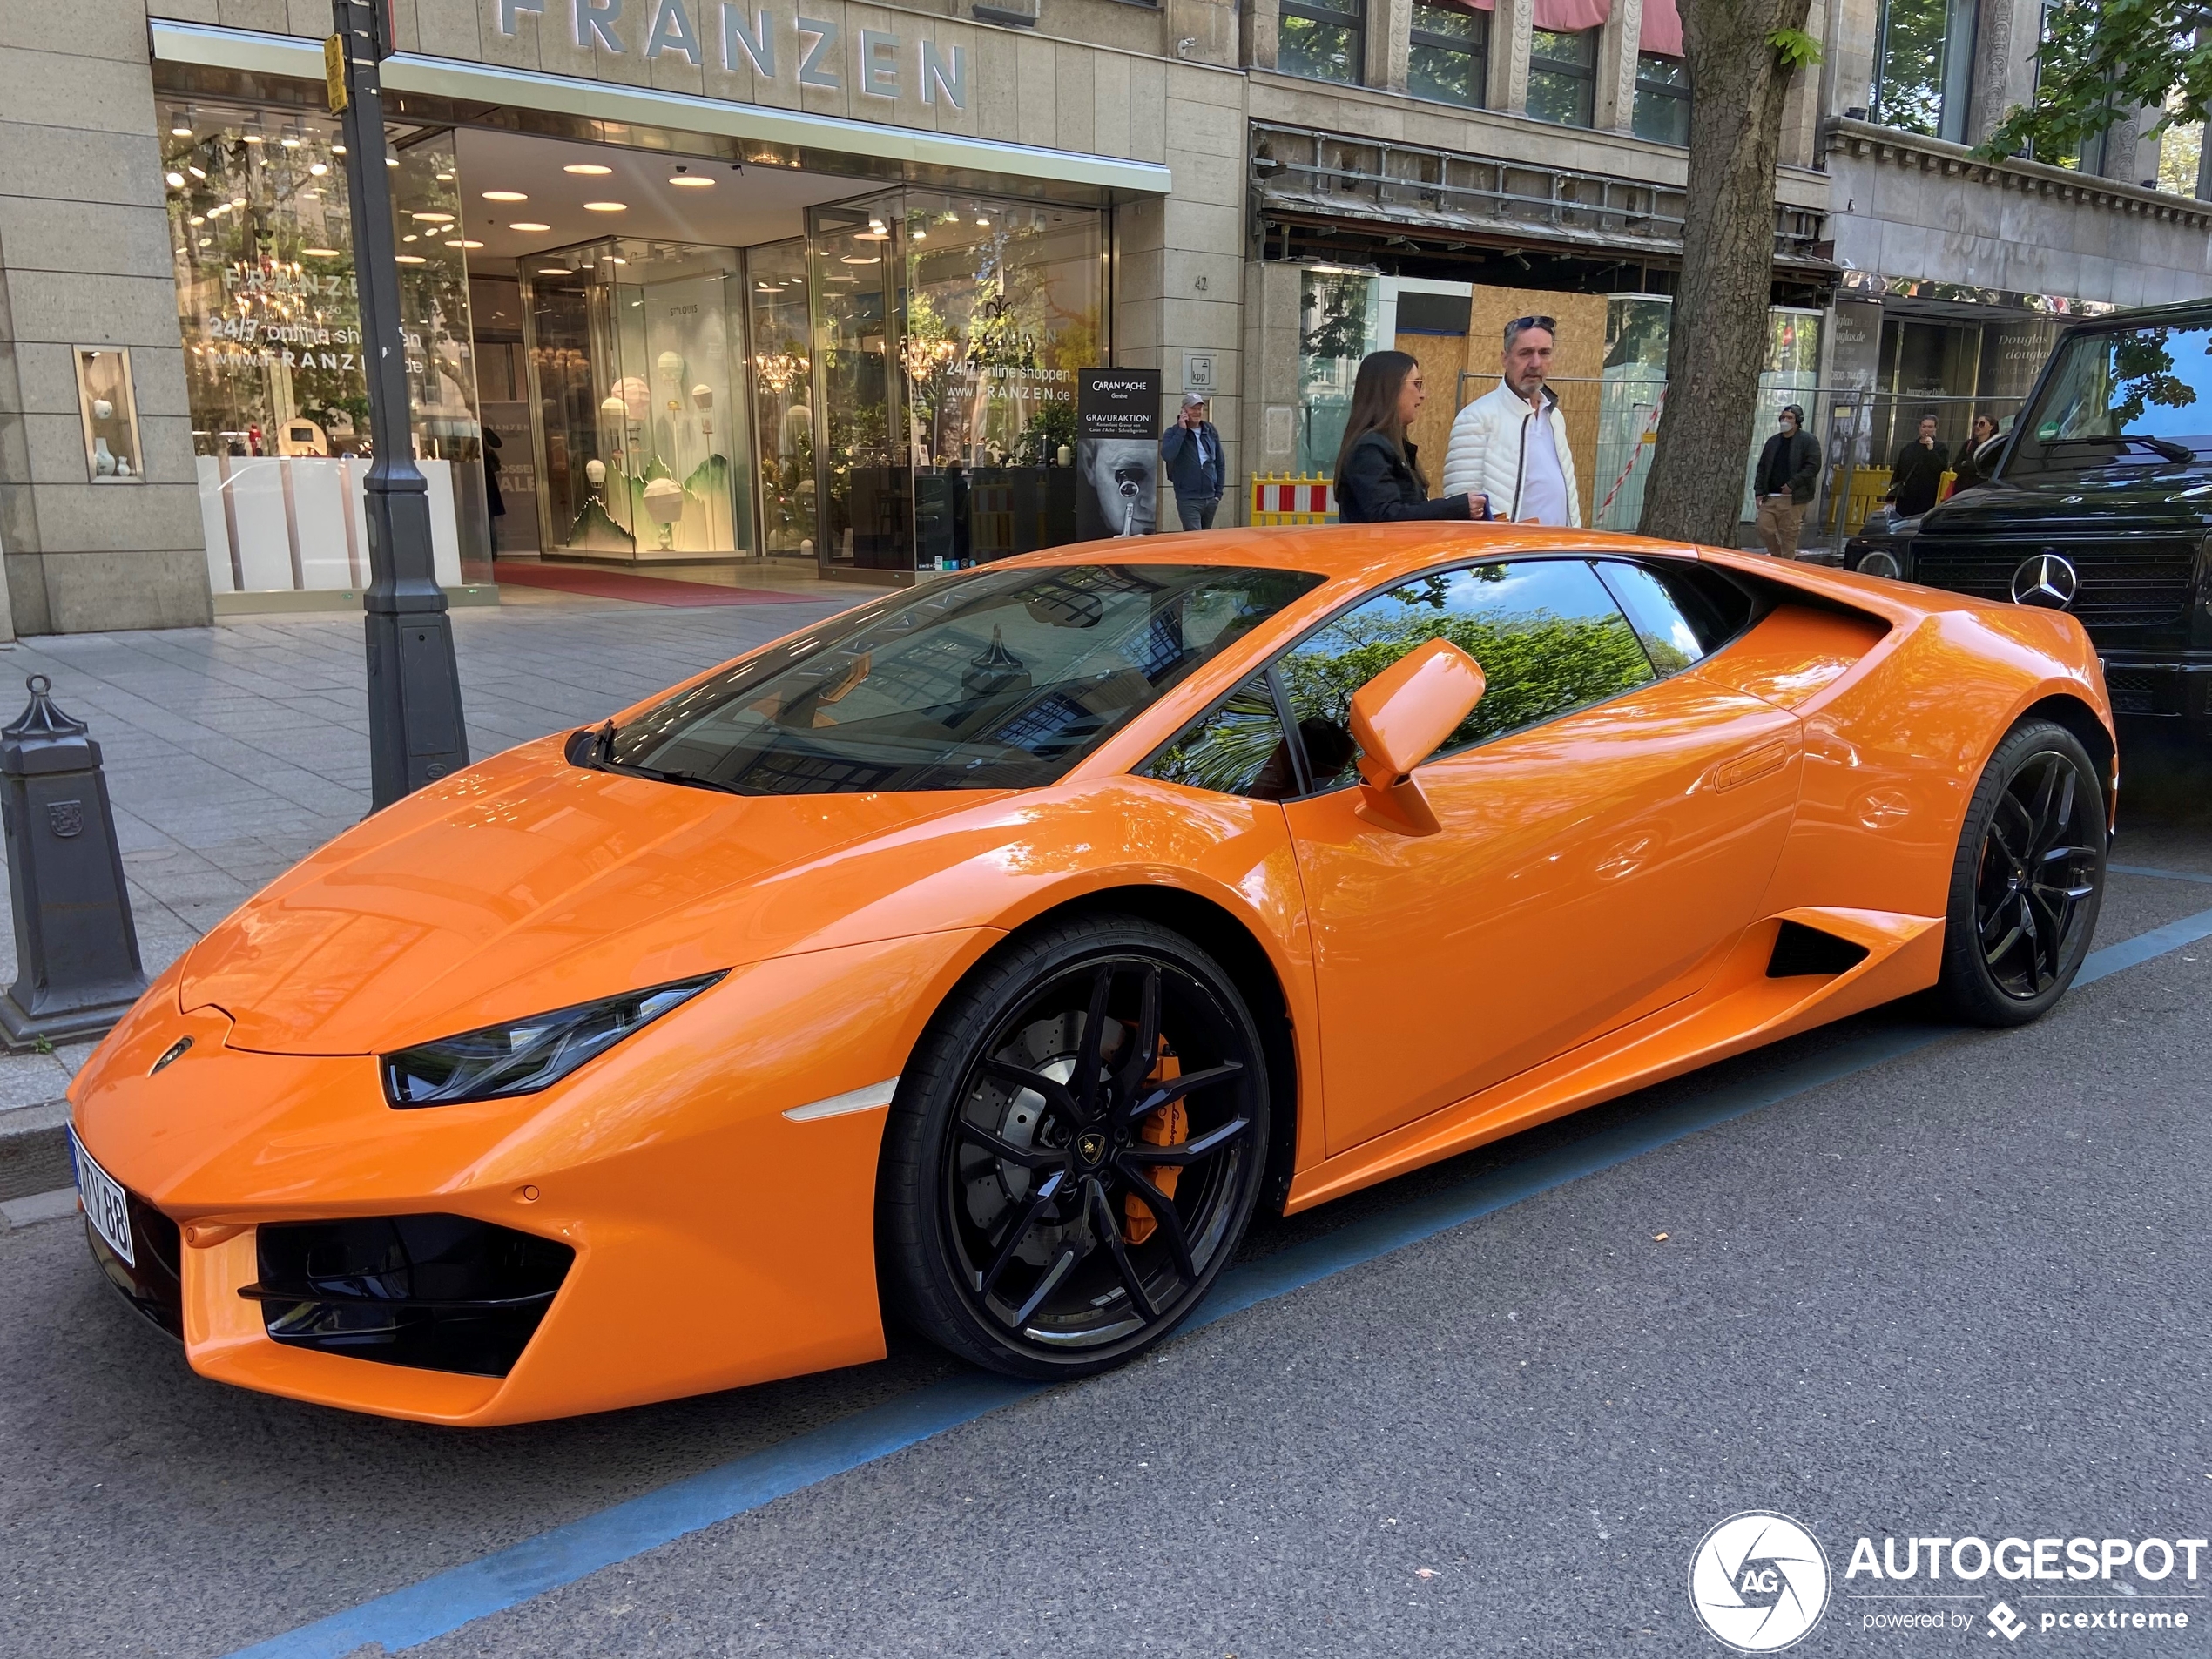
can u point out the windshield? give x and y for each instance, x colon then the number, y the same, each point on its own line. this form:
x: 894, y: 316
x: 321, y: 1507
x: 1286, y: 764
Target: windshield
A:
x: 1002, y: 679
x: 2142, y: 395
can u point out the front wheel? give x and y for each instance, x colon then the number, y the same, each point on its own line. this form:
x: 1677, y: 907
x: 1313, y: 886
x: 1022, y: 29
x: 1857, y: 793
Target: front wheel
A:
x: 2027, y: 880
x: 1075, y: 1150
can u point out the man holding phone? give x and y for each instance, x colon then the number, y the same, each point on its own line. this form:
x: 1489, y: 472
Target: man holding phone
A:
x: 1192, y: 451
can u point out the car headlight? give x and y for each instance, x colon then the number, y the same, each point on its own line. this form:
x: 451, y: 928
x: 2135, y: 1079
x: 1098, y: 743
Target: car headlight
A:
x: 525, y: 1056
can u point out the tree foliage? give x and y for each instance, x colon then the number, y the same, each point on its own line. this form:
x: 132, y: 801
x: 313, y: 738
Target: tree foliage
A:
x: 2102, y: 59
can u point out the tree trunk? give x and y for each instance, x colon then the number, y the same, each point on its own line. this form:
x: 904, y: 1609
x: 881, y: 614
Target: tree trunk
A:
x: 1717, y: 344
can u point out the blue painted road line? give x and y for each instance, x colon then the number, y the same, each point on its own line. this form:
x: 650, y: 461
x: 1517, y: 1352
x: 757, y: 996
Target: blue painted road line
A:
x: 2162, y: 875
x: 444, y: 1602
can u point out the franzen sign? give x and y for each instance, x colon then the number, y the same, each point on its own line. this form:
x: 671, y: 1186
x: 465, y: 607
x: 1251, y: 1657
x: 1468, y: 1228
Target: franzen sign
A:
x: 813, y: 48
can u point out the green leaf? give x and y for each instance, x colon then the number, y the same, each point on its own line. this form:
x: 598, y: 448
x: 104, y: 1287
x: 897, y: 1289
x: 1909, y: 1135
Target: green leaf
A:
x: 1795, y: 48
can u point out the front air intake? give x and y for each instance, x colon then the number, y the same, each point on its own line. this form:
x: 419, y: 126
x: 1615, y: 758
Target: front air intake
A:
x: 436, y: 1292
x: 1799, y: 950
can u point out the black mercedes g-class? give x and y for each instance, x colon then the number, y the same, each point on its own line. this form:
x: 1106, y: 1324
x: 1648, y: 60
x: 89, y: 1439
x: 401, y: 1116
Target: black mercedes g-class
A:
x: 2099, y: 501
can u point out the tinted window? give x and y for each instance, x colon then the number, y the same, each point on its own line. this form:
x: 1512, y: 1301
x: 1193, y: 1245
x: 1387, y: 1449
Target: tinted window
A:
x: 1002, y: 679
x: 2119, y: 393
x: 1680, y: 615
x: 1548, y: 634
x: 1237, y: 750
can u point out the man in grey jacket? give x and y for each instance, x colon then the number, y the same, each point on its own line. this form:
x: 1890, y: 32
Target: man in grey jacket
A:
x: 1509, y: 445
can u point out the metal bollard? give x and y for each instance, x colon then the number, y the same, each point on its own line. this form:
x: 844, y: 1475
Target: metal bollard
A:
x: 76, y: 953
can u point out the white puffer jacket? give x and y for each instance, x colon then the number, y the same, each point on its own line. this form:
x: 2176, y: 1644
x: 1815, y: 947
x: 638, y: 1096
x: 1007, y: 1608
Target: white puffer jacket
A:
x: 1488, y: 453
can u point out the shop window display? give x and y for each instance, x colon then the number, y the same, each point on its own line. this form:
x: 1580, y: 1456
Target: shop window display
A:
x: 263, y: 250
x: 634, y: 345
x: 867, y: 508
x: 782, y: 396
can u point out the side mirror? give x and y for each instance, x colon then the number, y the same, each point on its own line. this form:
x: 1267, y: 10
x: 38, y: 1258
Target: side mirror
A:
x: 1399, y: 718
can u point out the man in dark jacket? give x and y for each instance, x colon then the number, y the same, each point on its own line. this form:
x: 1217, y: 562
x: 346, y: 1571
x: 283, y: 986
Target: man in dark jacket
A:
x: 1193, y: 452
x: 1789, y: 468
x: 1916, y: 477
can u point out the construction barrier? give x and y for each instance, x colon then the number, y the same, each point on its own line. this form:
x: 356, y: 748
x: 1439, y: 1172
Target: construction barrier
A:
x: 1292, y: 498
x: 1865, y: 492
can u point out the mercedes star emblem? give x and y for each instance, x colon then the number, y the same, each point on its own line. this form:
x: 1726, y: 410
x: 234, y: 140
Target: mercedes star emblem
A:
x: 2045, y: 580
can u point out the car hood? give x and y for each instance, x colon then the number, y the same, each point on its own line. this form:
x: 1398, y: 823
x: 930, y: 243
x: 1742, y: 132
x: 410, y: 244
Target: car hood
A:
x: 527, y: 884
x: 2164, y: 498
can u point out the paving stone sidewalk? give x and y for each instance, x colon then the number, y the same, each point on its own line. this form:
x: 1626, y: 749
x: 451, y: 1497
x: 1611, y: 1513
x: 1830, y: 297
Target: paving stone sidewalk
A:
x: 232, y: 751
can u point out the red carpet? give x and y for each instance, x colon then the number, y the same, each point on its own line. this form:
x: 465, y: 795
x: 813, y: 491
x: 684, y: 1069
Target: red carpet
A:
x: 595, y: 583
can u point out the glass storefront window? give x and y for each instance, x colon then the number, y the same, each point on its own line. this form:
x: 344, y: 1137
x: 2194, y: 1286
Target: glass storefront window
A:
x: 1447, y: 52
x: 263, y: 252
x: 1562, y: 75
x: 1003, y: 304
x: 1338, y: 311
x: 637, y: 349
x: 867, y: 515
x: 1322, y: 39
x: 782, y: 393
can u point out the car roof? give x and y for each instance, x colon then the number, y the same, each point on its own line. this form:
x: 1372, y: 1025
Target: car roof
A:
x: 1364, y: 552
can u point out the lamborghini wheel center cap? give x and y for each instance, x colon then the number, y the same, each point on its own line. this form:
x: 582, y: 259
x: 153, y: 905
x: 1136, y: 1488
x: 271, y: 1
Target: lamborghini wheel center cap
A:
x: 1092, y: 1148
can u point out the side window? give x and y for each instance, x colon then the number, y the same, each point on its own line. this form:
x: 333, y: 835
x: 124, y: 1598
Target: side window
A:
x: 1547, y: 634
x: 1680, y: 615
x: 1236, y: 749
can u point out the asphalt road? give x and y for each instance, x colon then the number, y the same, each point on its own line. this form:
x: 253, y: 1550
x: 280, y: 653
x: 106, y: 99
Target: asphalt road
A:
x: 1958, y: 1293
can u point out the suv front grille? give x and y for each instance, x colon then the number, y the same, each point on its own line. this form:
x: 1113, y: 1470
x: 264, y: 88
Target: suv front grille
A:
x: 2146, y: 584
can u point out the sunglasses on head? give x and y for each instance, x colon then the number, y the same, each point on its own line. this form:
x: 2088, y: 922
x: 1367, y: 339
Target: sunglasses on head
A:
x: 1544, y: 323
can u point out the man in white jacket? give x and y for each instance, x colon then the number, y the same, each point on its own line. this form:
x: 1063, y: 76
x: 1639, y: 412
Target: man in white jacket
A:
x: 1509, y: 446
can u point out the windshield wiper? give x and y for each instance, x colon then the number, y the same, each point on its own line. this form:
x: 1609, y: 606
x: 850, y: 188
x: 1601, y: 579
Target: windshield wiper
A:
x: 2166, y: 447
x: 603, y: 760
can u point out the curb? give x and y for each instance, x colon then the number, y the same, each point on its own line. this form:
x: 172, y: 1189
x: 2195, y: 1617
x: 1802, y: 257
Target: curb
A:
x: 34, y: 1150
x: 37, y: 1208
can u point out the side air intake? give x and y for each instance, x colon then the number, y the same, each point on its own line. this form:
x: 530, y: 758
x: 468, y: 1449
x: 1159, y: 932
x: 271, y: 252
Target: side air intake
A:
x: 1799, y: 950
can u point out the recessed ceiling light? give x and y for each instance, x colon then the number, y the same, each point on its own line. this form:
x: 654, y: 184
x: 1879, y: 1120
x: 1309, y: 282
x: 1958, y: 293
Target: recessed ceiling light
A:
x: 337, y: 149
x: 983, y: 224
x: 431, y: 218
x: 692, y: 181
x: 238, y: 201
x: 320, y: 252
x: 606, y: 207
x: 176, y: 180
x: 411, y: 237
x: 409, y: 258
x: 290, y: 144
x: 854, y: 259
x: 253, y: 138
x: 445, y: 178
x: 315, y: 170
x: 179, y: 127
x: 505, y: 196
x: 519, y: 225
x: 589, y: 169
x: 555, y: 270
x: 197, y: 173
x: 464, y: 244
x: 199, y: 219
x: 870, y: 236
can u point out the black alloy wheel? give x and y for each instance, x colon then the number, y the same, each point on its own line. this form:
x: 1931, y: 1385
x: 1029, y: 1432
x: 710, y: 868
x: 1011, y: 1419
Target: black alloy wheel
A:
x: 1076, y: 1151
x: 2029, y: 881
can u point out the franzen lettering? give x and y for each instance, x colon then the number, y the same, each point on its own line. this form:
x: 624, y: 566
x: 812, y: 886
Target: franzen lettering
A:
x: 880, y: 63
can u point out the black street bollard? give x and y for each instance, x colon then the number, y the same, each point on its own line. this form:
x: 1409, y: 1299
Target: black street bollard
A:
x: 76, y: 953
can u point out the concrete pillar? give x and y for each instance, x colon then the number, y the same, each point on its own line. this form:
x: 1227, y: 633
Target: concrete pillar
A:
x: 1270, y: 378
x: 1389, y: 24
x: 1617, y: 67
x: 2005, y: 42
x: 84, y: 261
x: 1263, y: 26
x: 1509, y: 27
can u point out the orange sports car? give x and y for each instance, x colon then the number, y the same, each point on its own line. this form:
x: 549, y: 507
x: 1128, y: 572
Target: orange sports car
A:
x: 990, y: 951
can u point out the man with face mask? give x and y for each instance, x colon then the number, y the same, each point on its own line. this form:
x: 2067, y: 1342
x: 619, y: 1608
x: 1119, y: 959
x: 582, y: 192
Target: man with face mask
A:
x: 1789, y: 471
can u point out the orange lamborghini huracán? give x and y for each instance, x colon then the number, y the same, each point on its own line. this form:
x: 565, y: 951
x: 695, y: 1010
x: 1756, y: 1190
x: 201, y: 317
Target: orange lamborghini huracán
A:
x: 990, y: 951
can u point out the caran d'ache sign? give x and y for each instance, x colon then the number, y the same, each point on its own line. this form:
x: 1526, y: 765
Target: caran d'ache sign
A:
x: 1118, y: 450
x: 776, y: 45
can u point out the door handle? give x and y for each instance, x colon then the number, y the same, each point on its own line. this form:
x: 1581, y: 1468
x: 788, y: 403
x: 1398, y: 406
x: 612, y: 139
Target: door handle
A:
x: 1767, y: 758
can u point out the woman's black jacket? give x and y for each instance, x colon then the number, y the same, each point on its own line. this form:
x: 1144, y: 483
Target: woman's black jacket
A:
x: 1376, y: 485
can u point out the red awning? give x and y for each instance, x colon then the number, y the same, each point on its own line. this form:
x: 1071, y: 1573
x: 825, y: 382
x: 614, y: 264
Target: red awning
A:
x: 1662, y: 30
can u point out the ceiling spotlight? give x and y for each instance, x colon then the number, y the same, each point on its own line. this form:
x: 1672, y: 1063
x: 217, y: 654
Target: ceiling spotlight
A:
x: 445, y: 178
x: 238, y: 201
x: 554, y: 270
x: 337, y: 149
x: 197, y: 173
x: 519, y: 225
x: 505, y: 196
x: 251, y: 138
x: 617, y: 261
x: 180, y: 125
x: 464, y: 244
x: 588, y: 169
x: 692, y: 181
x: 320, y: 252
x: 315, y: 170
x: 409, y: 258
x: 176, y: 180
x: 410, y: 236
x: 432, y: 218
x: 854, y: 259
x: 290, y: 142
x: 199, y: 219
x: 606, y: 207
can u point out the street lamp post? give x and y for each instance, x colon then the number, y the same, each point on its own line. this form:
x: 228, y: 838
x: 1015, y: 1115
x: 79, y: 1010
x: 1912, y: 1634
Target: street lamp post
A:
x: 416, y: 730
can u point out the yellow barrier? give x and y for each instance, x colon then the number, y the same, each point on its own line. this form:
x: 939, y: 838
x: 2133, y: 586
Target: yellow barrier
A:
x: 1292, y: 498
x: 1868, y: 485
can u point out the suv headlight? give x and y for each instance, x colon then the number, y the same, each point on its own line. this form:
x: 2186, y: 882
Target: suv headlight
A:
x: 525, y: 1056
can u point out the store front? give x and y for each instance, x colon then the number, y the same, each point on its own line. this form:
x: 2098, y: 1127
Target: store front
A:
x: 687, y: 364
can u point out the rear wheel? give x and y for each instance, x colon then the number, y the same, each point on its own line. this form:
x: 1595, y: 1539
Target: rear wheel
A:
x: 1075, y: 1150
x: 2029, y: 878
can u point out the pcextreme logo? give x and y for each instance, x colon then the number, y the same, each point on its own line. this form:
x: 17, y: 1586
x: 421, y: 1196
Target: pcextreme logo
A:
x: 1759, y: 1581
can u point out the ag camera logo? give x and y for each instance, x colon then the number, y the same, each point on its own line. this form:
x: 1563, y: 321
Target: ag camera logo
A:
x: 1759, y: 1581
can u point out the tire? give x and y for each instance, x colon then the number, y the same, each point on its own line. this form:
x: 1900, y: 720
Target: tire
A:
x: 1010, y: 1226
x: 2027, y: 880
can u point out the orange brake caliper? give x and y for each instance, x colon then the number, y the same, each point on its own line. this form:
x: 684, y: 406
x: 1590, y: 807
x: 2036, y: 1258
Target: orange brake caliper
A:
x: 1169, y: 1126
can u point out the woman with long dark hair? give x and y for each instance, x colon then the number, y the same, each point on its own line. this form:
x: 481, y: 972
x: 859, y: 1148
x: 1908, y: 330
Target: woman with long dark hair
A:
x: 1379, y: 472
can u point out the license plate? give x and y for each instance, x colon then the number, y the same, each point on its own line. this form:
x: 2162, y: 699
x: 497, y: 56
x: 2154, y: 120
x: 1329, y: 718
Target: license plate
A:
x: 104, y: 1200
